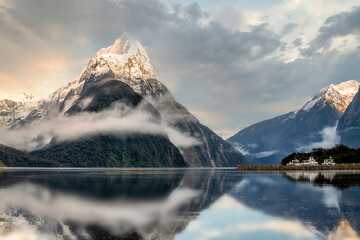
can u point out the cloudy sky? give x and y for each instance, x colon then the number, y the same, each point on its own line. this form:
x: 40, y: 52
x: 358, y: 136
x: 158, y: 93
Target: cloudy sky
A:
x: 231, y: 63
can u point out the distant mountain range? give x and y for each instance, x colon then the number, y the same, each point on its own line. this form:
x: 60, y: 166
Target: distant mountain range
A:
x: 114, y: 114
x: 314, y: 125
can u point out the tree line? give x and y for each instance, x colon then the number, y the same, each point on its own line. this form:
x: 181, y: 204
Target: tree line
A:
x: 340, y: 153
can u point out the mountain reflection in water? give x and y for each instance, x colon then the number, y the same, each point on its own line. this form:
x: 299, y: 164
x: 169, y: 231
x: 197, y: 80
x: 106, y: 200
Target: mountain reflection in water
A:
x: 178, y: 204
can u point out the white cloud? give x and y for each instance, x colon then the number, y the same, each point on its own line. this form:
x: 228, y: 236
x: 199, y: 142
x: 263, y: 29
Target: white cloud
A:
x: 179, y: 139
x: 308, y: 15
x: 329, y: 140
x: 250, y: 150
x: 243, y: 150
x: 235, y: 17
x: 265, y: 154
x: 119, y: 120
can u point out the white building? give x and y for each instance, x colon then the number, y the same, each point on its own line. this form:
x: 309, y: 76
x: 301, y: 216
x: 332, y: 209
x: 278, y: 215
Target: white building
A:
x: 294, y: 162
x: 329, y: 161
x: 311, y: 161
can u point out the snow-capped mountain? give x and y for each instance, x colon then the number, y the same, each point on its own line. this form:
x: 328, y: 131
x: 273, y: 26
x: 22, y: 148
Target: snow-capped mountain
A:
x: 125, y: 60
x: 313, y: 125
x: 14, y: 113
x: 126, y: 63
x: 340, y: 96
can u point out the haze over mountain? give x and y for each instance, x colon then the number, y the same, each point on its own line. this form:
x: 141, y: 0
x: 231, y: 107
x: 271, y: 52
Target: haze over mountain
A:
x: 314, y: 125
x: 115, y: 113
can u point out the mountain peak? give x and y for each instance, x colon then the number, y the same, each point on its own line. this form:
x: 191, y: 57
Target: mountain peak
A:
x: 340, y: 96
x: 125, y: 44
x: 125, y: 58
x: 351, y: 85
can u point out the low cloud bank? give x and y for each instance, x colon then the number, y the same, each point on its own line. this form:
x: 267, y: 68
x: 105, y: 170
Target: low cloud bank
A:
x: 329, y: 140
x: 119, y: 120
x: 249, y: 150
x: 265, y: 154
x: 243, y: 150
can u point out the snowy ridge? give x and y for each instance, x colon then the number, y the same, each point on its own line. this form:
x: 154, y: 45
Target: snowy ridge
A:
x: 340, y: 96
x: 14, y: 113
x: 19, y: 113
x: 125, y: 60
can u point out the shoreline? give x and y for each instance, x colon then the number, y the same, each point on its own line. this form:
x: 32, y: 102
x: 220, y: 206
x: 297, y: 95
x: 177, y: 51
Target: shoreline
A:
x: 349, y: 166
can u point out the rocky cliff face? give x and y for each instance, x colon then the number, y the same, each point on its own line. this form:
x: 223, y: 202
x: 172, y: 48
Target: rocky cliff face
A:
x: 349, y: 124
x: 125, y: 62
x: 267, y: 142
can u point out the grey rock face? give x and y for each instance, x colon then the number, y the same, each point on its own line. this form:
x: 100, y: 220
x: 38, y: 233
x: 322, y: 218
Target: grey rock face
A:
x: 349, y: 124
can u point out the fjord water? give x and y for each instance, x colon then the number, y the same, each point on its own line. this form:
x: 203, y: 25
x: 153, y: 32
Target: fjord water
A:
x: 178, y: 204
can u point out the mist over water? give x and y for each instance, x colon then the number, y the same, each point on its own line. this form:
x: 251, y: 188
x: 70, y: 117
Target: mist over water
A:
x: 177, y: 204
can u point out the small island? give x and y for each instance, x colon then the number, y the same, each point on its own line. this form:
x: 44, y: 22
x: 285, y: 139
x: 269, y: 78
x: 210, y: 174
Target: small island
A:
x: 339, y: 157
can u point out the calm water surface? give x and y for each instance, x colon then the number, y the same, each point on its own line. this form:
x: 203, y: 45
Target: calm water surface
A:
x: 178, y: 204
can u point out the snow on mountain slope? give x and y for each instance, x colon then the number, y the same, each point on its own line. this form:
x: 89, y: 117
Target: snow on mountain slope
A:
x: 304, y: 128
x: 126, y: 58
x: 15, y: 113
x: 340, y: 96
x: 126, y: 61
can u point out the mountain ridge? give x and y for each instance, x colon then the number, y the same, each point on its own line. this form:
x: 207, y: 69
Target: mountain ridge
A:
x: 268, y: 141
x: 126, y: 61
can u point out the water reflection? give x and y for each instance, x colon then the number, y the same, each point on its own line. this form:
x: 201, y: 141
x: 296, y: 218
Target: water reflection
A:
x: 178, y: 204
x: 313, y: 198
x: 338, y: 179
x: 110, y: 204
x: 229, y: 219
